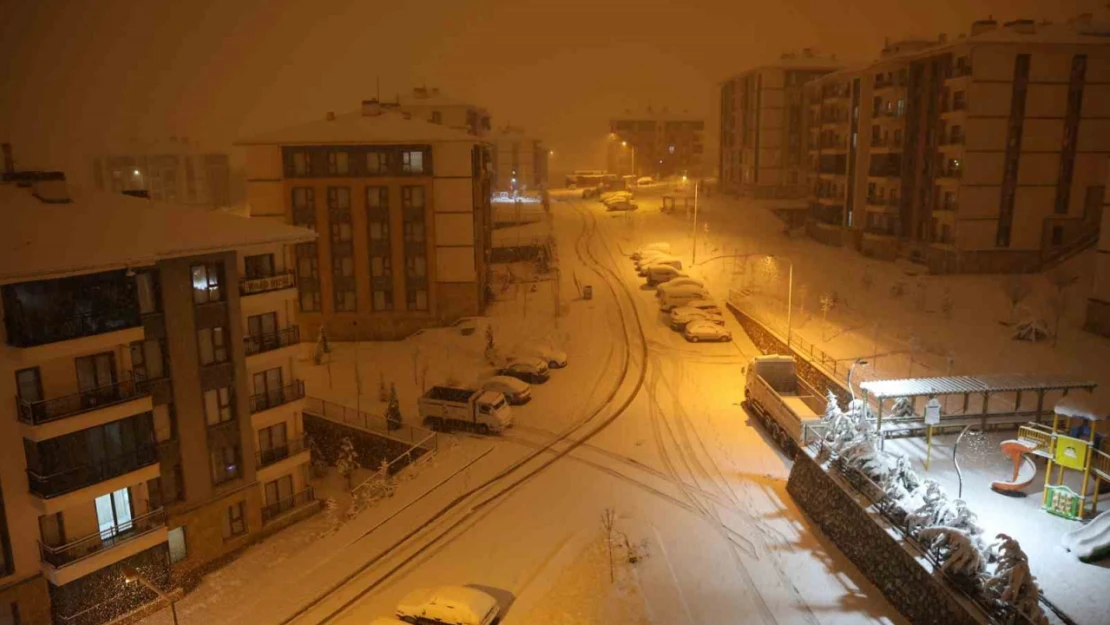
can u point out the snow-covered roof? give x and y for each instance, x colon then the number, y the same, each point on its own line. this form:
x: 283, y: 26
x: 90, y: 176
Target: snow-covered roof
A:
x: 388, y: 127
x: 101, y: 231
x: 422, y: 96
x: 1081, y: 406
x: 958, y: 385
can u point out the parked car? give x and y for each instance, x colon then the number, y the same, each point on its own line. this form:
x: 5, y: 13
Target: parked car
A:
x: 555, y: 358
x: 449, y: 605
x: 652, y: 247
x: 645, y: 180
x: 660, y: 260
x: 684, y: 281
x: 661, y: 273
x: 615, y: 196
x: 531, y: 370
x: 590, y: 192
x: 681, y: 297
x: 516, y: 391
x: 696, y: 331
x: 622, y: 206
x: 697, y: 309
x: 648, y: 256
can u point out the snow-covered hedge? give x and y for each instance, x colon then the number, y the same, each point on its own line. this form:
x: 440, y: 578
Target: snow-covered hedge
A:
x: 997, y: 574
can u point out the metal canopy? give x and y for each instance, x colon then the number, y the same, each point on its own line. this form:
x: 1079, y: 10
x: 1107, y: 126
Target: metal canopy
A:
x: 965, y: 384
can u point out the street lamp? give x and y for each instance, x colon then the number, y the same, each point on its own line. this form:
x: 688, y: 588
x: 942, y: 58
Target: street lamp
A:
x: 130, y: 576
x: 852, y: 391
x: 624, y: 144
x: 789, y: 296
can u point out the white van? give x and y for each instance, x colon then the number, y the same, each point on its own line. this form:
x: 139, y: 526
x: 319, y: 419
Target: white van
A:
x: 450, y: 605
x: 682, y: 297
x: 656, y: 274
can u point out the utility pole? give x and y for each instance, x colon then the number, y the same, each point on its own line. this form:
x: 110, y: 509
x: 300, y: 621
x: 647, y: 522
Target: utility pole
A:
x: 694, y: 258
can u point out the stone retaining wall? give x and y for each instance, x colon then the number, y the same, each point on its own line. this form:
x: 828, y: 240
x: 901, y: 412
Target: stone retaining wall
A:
x: 371, y: 448
x: 878, y: 552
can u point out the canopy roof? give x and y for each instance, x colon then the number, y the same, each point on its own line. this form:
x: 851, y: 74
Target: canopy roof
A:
x: 960, y: 385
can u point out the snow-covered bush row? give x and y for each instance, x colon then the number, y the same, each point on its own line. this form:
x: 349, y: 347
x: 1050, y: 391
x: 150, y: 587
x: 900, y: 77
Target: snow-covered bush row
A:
x: 997, y: 573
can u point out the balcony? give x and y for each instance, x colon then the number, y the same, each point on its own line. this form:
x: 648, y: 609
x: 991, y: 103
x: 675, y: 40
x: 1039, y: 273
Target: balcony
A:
x: 47, y: 410
x: 79, y: 476
x: 276, y: 509
x: 28, y: 329
x: 84, y: 547
x: 276, y: 282
x: 277, y: 397
x: 274, y: 340
x: 276, y: 454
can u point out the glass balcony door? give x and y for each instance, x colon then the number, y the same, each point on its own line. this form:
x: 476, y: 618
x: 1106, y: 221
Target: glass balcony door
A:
x: 114, y: 513
x: 96, y: 376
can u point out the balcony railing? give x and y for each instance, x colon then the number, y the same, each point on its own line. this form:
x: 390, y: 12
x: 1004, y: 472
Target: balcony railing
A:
x: 77, y: 477
x: 277, y: 396
x: 30, y: 328
x: 47, y: 410
x: 273, y: 510
x: 274, y: 340
x: 269, y: 456
x: 63, y: 555
x: 275, y: 282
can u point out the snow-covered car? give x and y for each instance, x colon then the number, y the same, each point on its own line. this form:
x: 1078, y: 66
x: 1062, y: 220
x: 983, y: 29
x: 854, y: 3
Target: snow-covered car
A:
x: 450, y: 605
x: 531, y: 370
x: 387, y: 621
x: 661, y: 273
x: 656, y: 261
x: 622, y: 206
x: 613, y: 196
x: 652, y: 247
x: 554, y: 357
x: 516, y: 391
x: 648, y: 256
x: 701, y: 330
x: 681, y: 297
x: 645, y: 180
x: 702, y: 309
x: 684, y: 281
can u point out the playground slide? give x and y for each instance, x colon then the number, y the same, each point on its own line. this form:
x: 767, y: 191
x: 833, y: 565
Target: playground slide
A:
x: 1092, y: 541
x: 1024, y: 468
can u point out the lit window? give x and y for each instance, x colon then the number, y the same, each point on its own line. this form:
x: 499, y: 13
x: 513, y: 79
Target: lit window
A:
x: 337, y: 163
x: 217, y: 406
x: 207, y: 279
x: 212, y: 345
x: 412, y: 162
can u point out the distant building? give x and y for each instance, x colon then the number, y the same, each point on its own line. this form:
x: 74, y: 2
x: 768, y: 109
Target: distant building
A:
x: 982, y: 154
x: 403, y: 206
x: 764, y: 127
x: 154, y: 413
x: 519, y: 161
x: 428, y: 104
x: 1098, y: 304
x: 657, y: 143
x: 175, y: 171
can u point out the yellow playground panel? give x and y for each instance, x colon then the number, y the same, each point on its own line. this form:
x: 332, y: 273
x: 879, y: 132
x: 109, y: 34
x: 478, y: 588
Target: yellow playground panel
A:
x: 1074, y: 453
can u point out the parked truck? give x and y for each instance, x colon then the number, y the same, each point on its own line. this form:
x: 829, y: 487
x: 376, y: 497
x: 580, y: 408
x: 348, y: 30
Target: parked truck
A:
x: 482, y: 411
x: 775, y: 397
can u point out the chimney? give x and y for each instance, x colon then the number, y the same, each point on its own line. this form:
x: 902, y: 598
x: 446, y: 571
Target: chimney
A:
x: 51, y: 190
x: 1023, y: 26
x: 979, y: 27
x: 9, y: 160
x: 331, y: 116
x: 371, y: 108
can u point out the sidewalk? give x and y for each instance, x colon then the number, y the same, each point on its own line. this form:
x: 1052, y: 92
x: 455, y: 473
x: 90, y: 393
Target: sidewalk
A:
x: 274, y: 578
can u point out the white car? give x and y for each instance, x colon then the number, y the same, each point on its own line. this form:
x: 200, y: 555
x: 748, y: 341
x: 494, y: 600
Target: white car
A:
x: 697, y: 331
x: 516, y: 391
x: 649, y: 255
x: 555, y: 358
x: 681, y: 297
x: 684, y: 281
x: 656, y: 261
x: 615, y: 196
x: 450, y: 605
x: 645, y: 180
x: 652, y: 247
x: 661, y: 273
x: 695, y: 310
x: 622, y: 206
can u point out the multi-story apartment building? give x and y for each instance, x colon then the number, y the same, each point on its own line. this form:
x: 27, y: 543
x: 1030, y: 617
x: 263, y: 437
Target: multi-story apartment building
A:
x: 429, y: 104
x: 519, y: 161
x: 657, y: 143
x: 980, y: 154
x: 403, y: 206
x: 140, y: 438
x: 764, y: 127
x: 175, y: 171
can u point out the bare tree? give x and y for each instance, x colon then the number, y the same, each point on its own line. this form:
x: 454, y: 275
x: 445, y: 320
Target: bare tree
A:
x: 1017, y: 288
x: 608, y: 520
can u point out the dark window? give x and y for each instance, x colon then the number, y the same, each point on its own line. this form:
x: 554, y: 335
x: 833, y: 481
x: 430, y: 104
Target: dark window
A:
x: 218, y: 405
x: 148, y: 359
x: 28, y: 384
x: 308, y: 277
x: 235, y: 522
x: 302, y: 163
x: 304, y: 207
x: 959, y: 100
x: 412, y: 197
x: 338, y: 163
x: 377, y: 162
x: 212, y: 345
x: 378, y: 234
x: 225, y: 463
x: 208, y: 283
x: 1071, y: 132
x: 1013, y: 150
x: 258, y: 266
x: 342, y: 249
x: 147, y: 288
x: 1057, y: 236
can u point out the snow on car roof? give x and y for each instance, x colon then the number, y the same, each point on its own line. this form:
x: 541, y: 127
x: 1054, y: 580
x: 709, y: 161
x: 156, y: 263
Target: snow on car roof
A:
x: 508, y: 381
x: 1081, y: 406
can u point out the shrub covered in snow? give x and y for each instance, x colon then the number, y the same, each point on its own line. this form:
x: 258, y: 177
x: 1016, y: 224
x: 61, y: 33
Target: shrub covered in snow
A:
x: 347, y: 460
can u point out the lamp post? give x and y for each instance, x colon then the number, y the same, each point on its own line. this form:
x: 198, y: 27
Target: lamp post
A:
x: 789, y: 296
x: 624, y: 144
x: 130, y: 575
x: 852, y: 391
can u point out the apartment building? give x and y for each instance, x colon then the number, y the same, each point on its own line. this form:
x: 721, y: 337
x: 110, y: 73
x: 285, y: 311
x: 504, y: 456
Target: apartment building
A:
x: 519, y: 160
x: 176, y: 171
x: 657, y: 143
x: 404, y: 208
x: 140, y: 440
x: 1098, y: 303
x: 764, y: 127
x: 980, y: 154
x: 427, y: 103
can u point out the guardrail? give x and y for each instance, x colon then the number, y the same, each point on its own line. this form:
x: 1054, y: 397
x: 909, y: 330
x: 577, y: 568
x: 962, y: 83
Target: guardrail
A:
x: 362, y: 420
x: 1101, y: 464
x: 76, y: 477
x: 277, y: 397
x: 266, y: 457
x: 257, y: 344
x: 398, y: 463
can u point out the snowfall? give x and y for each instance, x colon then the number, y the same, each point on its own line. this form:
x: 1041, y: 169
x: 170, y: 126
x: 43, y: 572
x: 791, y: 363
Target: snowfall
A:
x: 634, y: 487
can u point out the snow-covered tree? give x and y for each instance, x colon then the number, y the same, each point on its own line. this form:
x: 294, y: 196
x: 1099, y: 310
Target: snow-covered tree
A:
x: 1016, y: 287
x: 347, y: 460
x: 393, y: 411
x: 1012, y: 583
x: 903, y: 407
x: 316, y: 456
x: 956, y: 549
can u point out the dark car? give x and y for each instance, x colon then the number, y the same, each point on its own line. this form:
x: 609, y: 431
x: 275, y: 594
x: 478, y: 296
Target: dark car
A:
x: 530, y: 370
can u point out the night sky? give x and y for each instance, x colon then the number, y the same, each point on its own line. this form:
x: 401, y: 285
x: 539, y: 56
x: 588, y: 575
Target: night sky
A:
x: 85, y: 74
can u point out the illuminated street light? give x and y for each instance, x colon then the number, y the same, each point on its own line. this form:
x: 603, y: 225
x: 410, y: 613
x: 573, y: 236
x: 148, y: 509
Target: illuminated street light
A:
x: 789, y: 295
x: 131, y: 576
x: 858, y: 361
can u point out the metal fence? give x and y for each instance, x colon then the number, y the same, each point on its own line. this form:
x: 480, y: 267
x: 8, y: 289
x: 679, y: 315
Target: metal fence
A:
x: 376, y: 424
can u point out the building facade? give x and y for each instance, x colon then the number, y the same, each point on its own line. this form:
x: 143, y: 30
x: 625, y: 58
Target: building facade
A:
x: 137, y: 436
x: 764, y: 127
x: 983, y: 154
x: 176, y: 172
x: 428, y: 104
x: 657, y: 143
x: 403, y: 208
x: 519, y: 161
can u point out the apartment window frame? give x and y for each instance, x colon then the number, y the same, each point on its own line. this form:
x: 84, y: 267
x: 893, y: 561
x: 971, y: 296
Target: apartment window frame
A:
x: 413, y: 161
x: 235, y: 520
x: 303, y: 201
x: 221, y: 408
x: 213, y: 346
x: 258, y: 266
x: 208, y: 283
x: 339, y: 162
x: 377, y: 162
x: 227, y: 463
x: 300, y: 163
x: 149, y: 293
